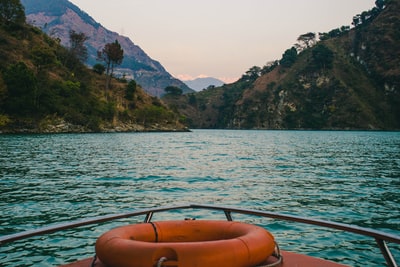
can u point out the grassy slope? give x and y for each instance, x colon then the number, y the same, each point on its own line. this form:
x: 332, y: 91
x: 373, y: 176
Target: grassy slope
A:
x: 66, y: 92
x: 360, y: 91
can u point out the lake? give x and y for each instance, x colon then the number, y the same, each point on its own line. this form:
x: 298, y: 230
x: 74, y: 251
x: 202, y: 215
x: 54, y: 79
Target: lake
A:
x: 344, y: 176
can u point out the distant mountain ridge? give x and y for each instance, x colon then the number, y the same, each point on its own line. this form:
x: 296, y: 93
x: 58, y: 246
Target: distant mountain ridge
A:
x: 58, y: 17
x: 199, y: 84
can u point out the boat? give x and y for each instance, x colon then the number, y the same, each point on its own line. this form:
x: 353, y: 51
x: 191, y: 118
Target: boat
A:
x: 239, y: 232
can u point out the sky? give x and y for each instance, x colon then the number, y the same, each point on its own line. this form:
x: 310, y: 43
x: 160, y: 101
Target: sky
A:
x: 219, y: 38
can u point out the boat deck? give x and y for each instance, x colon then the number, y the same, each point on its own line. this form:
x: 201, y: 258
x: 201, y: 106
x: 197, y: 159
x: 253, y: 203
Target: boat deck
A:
x: 290, y: 259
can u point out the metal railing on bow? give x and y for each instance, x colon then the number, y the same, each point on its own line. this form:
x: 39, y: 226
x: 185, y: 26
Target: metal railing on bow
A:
x: 380, y: 237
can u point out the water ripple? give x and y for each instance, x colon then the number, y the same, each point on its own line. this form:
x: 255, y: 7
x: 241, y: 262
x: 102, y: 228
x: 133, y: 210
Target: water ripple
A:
x: 350, y: 177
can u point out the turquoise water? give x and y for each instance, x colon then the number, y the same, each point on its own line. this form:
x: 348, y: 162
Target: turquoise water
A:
x: 349, y: 177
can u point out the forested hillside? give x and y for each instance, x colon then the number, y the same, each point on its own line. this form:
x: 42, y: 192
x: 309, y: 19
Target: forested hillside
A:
x: 45, y: 87
x: 348, y: 78
x: 58, y: 17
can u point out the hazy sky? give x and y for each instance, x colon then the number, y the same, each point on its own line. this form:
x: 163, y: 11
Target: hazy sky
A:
x: 219, y: 38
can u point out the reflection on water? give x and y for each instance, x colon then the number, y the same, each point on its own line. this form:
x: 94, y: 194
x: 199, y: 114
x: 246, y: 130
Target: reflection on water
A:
x: 350, y: 177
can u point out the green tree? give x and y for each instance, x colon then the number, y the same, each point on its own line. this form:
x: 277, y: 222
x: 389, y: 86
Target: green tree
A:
x: 76, y: 53
x: 11, y: 12
x: 380, y: 4
x: 252, y: 74
x: 306, y: 40
x: 99, y: 68
x: 42, y: 57
x: 153, y: 114
x: 356, y: 20
x: 289, y: 58
x: 173, y: 90
x: 130, y: 90
x: 77, y: 45
x: 22, y: 90
x: 322, y: 56
x: 113, y: 55
x: 3, y: 91
x: 192, y: 99
x: 270, y: 66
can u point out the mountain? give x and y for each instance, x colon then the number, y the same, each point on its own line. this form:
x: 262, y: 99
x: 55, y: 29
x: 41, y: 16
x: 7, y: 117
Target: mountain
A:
x: 199, y: 84
x: 58, y: 17
x: 347, y: 80
x: 44, y: 88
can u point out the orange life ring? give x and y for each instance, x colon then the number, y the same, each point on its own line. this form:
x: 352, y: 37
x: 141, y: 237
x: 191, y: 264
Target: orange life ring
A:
x: 185, y: 244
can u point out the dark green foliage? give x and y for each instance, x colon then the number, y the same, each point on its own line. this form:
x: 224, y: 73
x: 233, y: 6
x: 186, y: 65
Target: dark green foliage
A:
x: 43, y: 57
x: 306, y: 40
x: 322, y: 57
x: 152, y: 114
x: 173, y: 90
x: 368, y: 16
x: 22, y: 89
x: 231, y: 94
x: 30, y: 93
x: 130, y: 90
x: 3, y: 90
x: 252, y: 74
x: 155, y: 101
x: 11, y: 12
x: 75, y: 55
x: 334, y: 33
x: 77, y: 45
x: 74, y: 104
x: 380, y: 4
x: 99, y: 68
x: 192, y: 99
x: 288, y: 58
x: 269, y: 67
x: 112, y: 55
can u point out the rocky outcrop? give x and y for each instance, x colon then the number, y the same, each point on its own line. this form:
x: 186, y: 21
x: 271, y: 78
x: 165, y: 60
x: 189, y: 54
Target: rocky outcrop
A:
x: 53, y: 124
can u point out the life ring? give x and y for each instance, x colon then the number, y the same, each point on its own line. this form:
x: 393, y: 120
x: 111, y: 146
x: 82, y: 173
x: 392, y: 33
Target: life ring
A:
x: 186, y: 243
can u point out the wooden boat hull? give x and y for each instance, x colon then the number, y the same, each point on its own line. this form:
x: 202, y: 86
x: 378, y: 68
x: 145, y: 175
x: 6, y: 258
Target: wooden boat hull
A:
x: 290, y: 259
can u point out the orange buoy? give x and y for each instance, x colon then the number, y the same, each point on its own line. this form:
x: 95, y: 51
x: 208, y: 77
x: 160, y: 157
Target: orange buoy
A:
x: 186, y: 244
